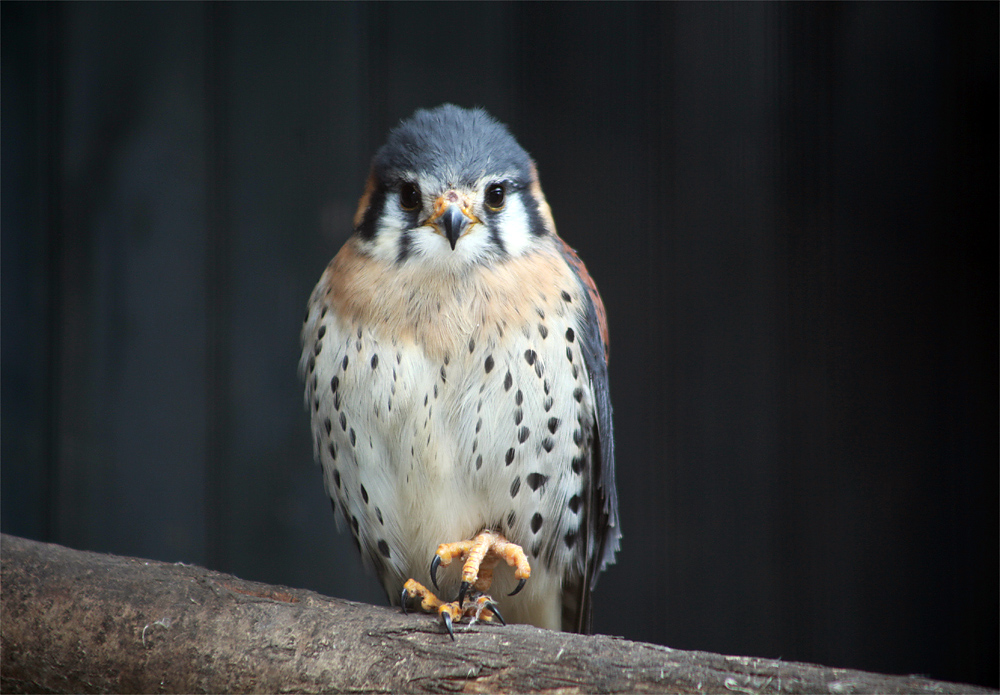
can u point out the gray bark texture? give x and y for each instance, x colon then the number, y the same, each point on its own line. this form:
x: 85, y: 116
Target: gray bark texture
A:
x: 76, y: 621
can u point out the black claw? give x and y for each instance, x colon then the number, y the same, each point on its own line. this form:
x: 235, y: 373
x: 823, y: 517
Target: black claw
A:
x: 520, y: 585
x: 447, y: 623
x: 461, y: 592
x: 435, y: 563
x: 402, y: 601
x: 496, y: 611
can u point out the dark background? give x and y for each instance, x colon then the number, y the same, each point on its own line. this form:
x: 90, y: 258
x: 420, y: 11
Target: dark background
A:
x: 791, y: 211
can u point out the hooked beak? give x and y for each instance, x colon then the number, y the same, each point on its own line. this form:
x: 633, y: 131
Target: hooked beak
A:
x: 452, y: 217
x: 454, y: 222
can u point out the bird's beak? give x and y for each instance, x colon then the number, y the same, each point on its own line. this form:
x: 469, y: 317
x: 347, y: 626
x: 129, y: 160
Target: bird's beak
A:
x: 452, y: 217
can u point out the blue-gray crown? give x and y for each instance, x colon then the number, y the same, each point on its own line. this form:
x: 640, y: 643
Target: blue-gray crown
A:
x: 454, y: 145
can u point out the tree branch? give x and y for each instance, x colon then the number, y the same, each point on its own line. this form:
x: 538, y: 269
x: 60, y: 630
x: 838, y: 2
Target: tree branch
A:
x: 77, y: 621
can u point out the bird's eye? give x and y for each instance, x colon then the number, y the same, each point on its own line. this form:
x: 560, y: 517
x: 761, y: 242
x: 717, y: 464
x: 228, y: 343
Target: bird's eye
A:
x: 495, y: 194
x: 409, y: 196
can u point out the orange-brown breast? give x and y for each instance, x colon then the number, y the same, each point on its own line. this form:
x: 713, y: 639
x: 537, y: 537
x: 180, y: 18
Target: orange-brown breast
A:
x: 442, y: 310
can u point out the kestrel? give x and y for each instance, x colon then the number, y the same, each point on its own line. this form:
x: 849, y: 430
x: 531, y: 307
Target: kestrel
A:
x: 455, y: 362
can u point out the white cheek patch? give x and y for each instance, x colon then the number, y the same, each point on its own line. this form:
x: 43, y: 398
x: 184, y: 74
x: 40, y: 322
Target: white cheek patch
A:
x: 385, y: 245
x: 512, y: 226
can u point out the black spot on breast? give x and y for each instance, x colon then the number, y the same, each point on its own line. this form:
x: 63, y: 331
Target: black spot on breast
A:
x: 578, y: 394
x: 577, y: 464
x: 540, y: 312
x: 553, y: 424
x: 357, y: 345
x: 479, y: 462
x: 343, y: 422
x: 489, y: 364
x: 570, y: 335
x: 570, y: 539
x: 535, y: 549
x: 336, y: 478
x: 475, y: 445
x: 336, y: 401
x: 523, y: 434
x: 479, y: 425
x: 335, y: 384
x: 364, y: 494
x: 447, y: 359
x: 539, y: 369
x: 518, y: 416
x: 435, y: 390
x: 536, y: 522
x: 518, y: 397
x: 343, y: 365
x: 333, y: 505
x: 359, y: 332
x: 333, y: 451
x: 574, y: 504
x: 536, y: 480
x: 383, y: 548
x: 353, y: 437
x: 511, y: 518
x: 578, y: 436
x: 566, y: 297
x: 322, y: 331
x: 548, y: 444
x: 548, y: 403
x: 515, y: 487
x: 543, y: 331
x: 374, y: 362
x: 328, y: 425
x: 569, y: 353
x: 322, y: 314
x: 444, y: 375
x: 316, y: 405
x: 529, y: 356
x: 318, y: 347
x: 312, y: 363
x: 354, y: 523
x: 378, y: 515
x: 508, y: 381
x: 509, y: 457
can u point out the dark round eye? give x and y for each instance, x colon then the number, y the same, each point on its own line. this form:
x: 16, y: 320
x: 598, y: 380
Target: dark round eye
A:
x: 409, y: 196
x: 495, y: 194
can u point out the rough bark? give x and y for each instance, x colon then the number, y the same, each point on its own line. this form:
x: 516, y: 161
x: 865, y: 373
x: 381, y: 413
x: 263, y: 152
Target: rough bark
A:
x: 77, y: 621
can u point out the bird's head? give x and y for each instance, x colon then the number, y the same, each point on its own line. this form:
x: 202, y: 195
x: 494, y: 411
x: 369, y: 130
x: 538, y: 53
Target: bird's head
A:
x: 451, y: 187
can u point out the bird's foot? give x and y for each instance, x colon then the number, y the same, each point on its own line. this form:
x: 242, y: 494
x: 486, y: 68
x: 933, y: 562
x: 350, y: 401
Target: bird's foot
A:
x: 481, y: 555
x: 479, y: 607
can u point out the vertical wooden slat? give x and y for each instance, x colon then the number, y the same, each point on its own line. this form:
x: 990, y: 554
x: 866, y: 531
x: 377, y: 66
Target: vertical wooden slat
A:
x: 218, y: 282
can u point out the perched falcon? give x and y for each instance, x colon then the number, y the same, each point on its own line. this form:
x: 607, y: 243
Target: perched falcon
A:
x: 455, y: 363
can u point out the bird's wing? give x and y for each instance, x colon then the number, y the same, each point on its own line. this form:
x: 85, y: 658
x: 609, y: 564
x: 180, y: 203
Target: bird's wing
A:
x: 604, y: 531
